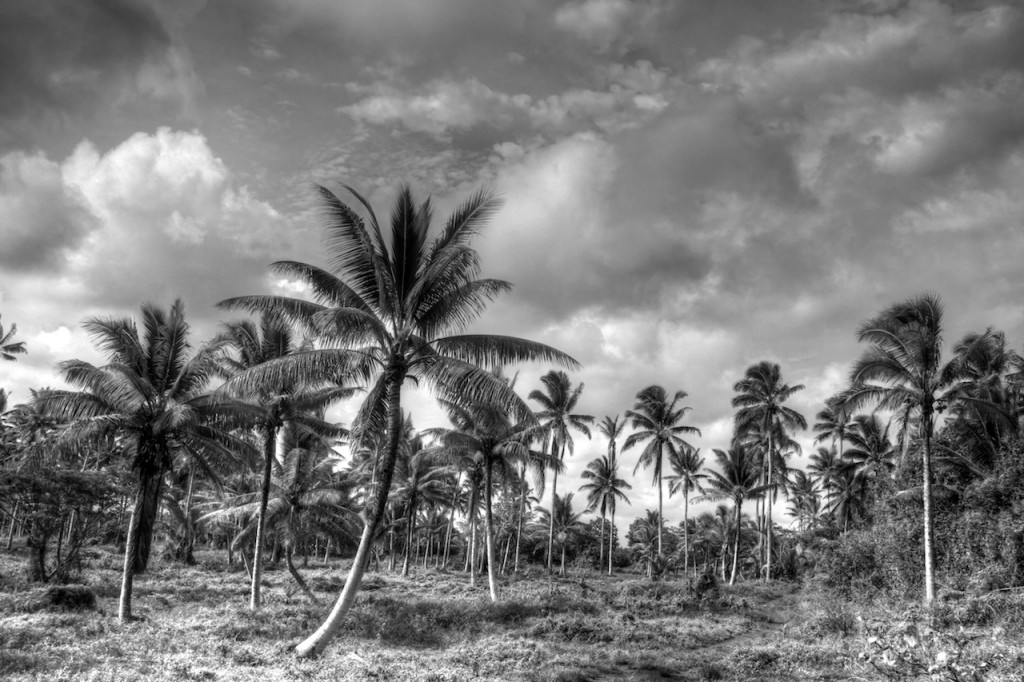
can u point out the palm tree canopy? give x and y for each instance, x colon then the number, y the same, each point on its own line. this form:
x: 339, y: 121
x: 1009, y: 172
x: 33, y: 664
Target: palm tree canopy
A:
x: 399, y: 303
x: 656, y: 419
x: 603, y: 485
x: 760, y: 397
x: 9, y: 348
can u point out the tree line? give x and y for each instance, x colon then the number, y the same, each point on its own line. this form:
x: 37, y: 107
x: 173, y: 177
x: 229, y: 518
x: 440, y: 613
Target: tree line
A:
x: 228, y: 445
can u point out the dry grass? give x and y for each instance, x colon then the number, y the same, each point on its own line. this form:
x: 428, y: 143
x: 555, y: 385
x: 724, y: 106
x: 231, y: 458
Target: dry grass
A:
x: 194, y: 625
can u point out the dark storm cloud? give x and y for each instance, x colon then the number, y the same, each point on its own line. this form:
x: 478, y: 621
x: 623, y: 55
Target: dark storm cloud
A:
x: 60, y: 56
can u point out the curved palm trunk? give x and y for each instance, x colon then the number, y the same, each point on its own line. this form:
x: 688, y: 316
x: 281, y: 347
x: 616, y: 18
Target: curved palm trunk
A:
x: 316, y: 642
x: 269, y: 444
x: 736, y: 545
x: 492, y: 578
x: 297, y: 577
x: 124, y: 605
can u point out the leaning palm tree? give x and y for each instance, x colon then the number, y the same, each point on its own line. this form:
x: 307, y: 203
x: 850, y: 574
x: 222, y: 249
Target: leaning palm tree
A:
x: 656, y: 420
x: 558, y: 422
x: 902, y: 371
x: 399, y: 304
x: 686, y: 465
x: 760, y: 397
x: 604, y: 488
x: 150, y: 396
x: 293, y: 399
x: 9, y: 348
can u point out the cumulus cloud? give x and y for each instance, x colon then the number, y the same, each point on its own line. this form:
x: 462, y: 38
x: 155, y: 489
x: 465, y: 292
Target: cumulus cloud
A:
x: 603, y: 23
x: 155, y: 218
x: 42, y: 216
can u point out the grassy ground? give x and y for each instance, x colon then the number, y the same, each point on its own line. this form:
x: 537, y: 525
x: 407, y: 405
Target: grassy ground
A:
x: 194, y: 625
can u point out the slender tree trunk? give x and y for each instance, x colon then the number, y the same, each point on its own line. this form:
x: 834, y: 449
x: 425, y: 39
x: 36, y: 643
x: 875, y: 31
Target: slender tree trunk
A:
x: 316, y: 642
x: 327, y: 551
x: 14, y: 523
x: 600, y: 542
x: 686, y: 531
x: 736, y: 546
x: 472, y: 538
x: 611, y: 541
x: 190, y: 533
x: 661, y: 521
x: 147, y: 522
x: 519, y: 520
x: 269, y: 446
x: 492, y: 578
x: 929, y: 550
x: 410, y: 533
x: 131, y: 548
x: 297, y: 577
x: 551, y: 526
x: 771, y: 500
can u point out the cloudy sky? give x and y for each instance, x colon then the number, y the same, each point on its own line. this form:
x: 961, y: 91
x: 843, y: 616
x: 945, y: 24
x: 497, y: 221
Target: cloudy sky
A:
x: 690, y: 186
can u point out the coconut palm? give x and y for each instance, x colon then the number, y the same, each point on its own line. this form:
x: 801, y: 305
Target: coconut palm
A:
x: 9, y: 348
x: 604, y: 488
x: 150, y: 396
x: 737, y: 480
x: 759, y: 402
x: 871, y: 452
x: 489, y: 434
x: 558, y: 421
x: 421, y: 481
x: 805, y: 498
x: 284, y: 398
x: 656, y: 420
x: 307, y: 498
x: 399, y: 303
x: 612, y: 428
x: 567, y: 522
x: 902, y: 371
x: 833, y: 421
x: 686, y: 465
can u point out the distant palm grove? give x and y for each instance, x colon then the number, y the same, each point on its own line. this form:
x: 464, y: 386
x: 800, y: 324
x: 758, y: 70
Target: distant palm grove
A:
x: 915, y: 487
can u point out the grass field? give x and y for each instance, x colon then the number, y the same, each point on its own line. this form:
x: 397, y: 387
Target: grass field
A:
x: 194, y: 624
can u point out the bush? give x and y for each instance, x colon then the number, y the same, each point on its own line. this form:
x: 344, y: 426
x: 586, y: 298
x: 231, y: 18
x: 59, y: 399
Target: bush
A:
x: 850, y: 565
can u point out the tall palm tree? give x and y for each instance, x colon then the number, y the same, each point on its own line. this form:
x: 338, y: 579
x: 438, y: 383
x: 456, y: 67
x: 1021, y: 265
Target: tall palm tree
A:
x: 400, y: 304
x: 421, y: 481
x: 656, y: 420
x: 612, y: 428
x: 604, y: 488
x: 902, y: 371
x: 687, y: 466
x: 149, y: 395
x: 737, y: 481
x: 558, y: 421
x: 287, y: 398
x: 759, y: 402
x: 488, y: 433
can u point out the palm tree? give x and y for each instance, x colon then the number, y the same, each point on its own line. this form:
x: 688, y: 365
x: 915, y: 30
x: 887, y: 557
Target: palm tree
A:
x: 737, y: 481
x: 686, y: 465
x: 399, y: 304
x: 9, y: 348
x: 871, y: 452
x: 805, y: 498
x: 612, y: 429
x: 759, y: 402
x: 604, y: 488
x: 287, y: 398
x: 421, y: 481
x: 902, y: 371
x: 558, y: 422
x: 834, y: 421
x: 567, y: 523
x: 307, y: 498
x: 149, y: 395
x: 657, y: 420
x: 488, y: 434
